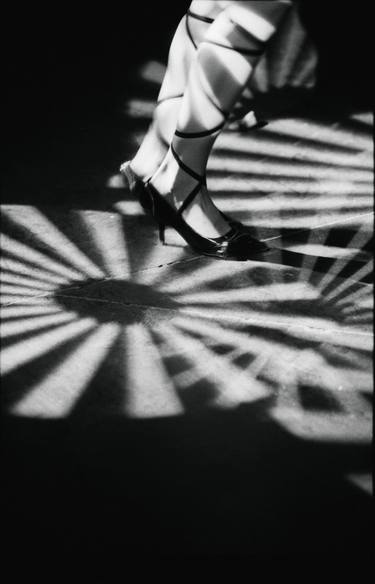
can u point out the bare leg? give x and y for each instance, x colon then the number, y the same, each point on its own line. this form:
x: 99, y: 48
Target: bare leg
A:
x: 219, y: 72
x: 187, y: 38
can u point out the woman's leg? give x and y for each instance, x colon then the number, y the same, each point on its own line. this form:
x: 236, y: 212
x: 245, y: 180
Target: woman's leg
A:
x: 189, y: 33
x: 220, y: 70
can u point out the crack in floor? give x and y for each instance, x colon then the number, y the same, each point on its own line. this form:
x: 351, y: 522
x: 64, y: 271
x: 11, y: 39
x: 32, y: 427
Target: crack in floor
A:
x: 52, y: 292
x: 234, y: 320
x: 117, y: 302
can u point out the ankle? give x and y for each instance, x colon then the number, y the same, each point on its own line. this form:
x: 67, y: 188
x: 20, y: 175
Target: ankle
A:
x: 149, y: 155
x: 171, y: 181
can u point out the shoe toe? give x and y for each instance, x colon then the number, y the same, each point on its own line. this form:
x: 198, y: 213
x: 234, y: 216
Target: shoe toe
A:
x: 245, y: 246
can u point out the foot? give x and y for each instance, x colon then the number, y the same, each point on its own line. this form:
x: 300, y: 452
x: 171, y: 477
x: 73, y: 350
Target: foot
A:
x: 202, y: 215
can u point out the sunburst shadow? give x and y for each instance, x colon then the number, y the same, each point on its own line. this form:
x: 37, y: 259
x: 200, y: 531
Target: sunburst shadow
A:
x: 121, y: 301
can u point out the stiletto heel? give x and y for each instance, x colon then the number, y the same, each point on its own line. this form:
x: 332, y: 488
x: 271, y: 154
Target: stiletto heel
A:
x: 162, y: 233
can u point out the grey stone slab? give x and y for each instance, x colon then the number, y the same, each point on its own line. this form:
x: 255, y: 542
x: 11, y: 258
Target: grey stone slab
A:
x: 101, y: 318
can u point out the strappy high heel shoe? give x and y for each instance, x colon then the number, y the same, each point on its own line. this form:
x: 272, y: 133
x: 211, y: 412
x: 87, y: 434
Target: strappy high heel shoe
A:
x: 234, y: 245
x: 237, y: 244
x: 136, y: 184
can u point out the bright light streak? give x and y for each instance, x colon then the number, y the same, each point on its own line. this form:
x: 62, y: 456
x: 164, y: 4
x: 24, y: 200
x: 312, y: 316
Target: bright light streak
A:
x: 27, y: 282
x: 312, y: 329
x: 214, y: 334
x: 205, y: 271
x: 21, y: 268
x: 323, y: 251
x: 362, y: 273
x: 27, y: 325
x: 264, y: 147
x: 356, y: 296
x: 108, y: 236
x: 47, y: 233
x: 129, y: 208
x: 151, y: 393
x: 19, y: 311
x: 22, y: 290
x: 332, y: 428
x: 326, y: 135
x: 25, y: 351
x: 15, y: 248
x: 20, y: 299
x: 362, y: 303
x: 365, y: 118
x: 308, y: 221
x: 337, y: 194
x: 56, y: 395
x: 286, y: 169
x: 271, y: 293
x: 233, y: 385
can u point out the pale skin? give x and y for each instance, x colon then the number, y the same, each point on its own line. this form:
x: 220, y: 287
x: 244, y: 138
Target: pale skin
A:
x: 211, y: 78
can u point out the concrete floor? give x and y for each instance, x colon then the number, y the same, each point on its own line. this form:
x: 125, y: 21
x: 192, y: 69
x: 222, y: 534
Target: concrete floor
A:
x: 212, y: 384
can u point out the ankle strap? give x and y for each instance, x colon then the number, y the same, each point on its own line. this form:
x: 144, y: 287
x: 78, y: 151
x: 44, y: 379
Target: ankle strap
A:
x: 199, y: 134
x: 242, y: 50
x: 201, y: 181
x: 177, y: 96
x: 199, y: 17
x: 198, y: 177
x: 190, y: 198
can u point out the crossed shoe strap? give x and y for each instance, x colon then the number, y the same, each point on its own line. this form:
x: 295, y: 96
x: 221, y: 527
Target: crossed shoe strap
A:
x: 233, y: 232
x: 201, y: 179
x: 197, y: 17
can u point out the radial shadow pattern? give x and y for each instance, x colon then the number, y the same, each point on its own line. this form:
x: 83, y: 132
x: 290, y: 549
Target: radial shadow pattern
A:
x: 90, y: 295
x: 180, y: 333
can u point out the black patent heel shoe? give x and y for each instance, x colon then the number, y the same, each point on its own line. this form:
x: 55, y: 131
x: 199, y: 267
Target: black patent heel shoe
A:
x: 237, y: 244
x: 136, y: 185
